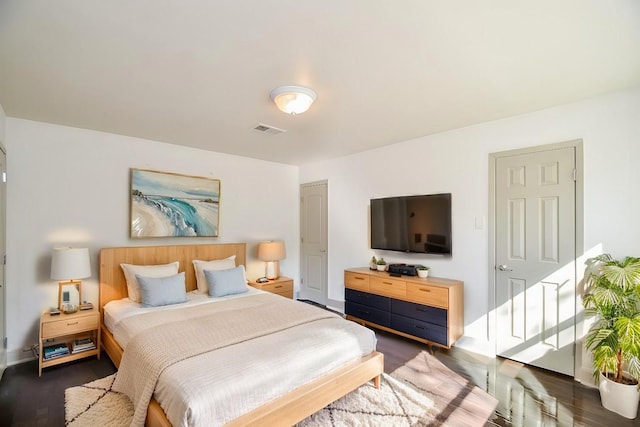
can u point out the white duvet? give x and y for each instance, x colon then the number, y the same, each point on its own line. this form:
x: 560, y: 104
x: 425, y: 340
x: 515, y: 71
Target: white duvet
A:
x: 216, y: 387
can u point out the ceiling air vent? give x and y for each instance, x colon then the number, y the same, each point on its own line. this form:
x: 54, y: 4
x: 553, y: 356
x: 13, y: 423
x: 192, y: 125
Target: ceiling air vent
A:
x: 272, y: 130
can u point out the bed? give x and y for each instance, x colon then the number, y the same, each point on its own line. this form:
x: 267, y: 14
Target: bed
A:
x: 288, y: 407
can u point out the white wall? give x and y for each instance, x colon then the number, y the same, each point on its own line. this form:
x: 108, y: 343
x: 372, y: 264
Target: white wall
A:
x: 457, y: 162
x: 70, y: 186
x: 3, y: 118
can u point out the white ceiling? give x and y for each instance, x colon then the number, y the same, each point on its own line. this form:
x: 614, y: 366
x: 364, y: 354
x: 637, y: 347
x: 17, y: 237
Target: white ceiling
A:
x: 199, y: 73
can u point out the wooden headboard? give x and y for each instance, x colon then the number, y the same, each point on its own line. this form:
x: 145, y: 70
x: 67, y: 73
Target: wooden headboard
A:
x: 112, y: 281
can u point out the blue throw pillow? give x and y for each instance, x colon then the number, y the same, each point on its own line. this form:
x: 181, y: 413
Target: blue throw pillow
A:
x: 157, y: 291
x: 226, y: 282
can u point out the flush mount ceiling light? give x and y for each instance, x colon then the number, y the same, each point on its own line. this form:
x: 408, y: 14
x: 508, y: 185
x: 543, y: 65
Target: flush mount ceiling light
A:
x: 293, y: 99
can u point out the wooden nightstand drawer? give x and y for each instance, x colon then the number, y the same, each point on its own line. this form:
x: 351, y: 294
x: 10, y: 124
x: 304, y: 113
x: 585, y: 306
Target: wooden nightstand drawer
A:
x: 430, y: 295
x: 69, y: 324
x: 279, y: 287
x: 359, y: 282
x: 388, y: 287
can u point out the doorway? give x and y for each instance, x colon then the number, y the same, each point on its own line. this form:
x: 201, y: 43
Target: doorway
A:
x: 313, y: 242
x: 536, y: 210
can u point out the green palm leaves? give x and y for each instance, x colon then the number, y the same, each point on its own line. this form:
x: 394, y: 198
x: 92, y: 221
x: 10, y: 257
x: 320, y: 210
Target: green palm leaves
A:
x: 613, y: 295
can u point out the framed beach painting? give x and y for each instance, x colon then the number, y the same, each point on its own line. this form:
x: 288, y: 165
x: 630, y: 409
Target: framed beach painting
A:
x: 167, y: 204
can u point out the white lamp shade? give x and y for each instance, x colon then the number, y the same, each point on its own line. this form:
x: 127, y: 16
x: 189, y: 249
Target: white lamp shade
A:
x: 293, y: 99
x: 271, y: 251
x: 70, y: 264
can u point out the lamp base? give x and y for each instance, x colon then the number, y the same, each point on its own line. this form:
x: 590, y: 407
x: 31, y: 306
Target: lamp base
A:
x: 272, y: 270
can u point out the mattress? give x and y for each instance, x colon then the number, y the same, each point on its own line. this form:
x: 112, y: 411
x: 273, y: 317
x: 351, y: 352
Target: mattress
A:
x: 215, y: 387
x: 117, y: 310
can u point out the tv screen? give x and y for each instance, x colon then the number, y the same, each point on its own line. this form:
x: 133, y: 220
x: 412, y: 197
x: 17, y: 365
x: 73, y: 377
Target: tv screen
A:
x: 420, y: 224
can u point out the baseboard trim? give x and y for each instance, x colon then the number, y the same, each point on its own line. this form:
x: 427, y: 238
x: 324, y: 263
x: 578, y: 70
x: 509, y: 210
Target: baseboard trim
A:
x: 16, y: 357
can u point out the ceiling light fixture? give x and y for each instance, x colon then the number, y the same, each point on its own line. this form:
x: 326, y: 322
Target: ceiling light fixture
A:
x: 293, y: 99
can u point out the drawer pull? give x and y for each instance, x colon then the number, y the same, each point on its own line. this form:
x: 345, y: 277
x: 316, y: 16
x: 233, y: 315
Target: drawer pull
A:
x: 387, y: 283
x: 419, y: 327
x: 425, y: 290
x: 279, y: 286
x: 421, y: 310
x: 71, y: 324
x: 359, y: 278
x: 363, y: 312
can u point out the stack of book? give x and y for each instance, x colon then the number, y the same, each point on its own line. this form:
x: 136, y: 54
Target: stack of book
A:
x: 83, y: 344
x: 53, y: 351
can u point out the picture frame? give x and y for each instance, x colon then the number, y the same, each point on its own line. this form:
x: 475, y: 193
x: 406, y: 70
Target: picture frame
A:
x: 69, y: 294
x: 166, y: 204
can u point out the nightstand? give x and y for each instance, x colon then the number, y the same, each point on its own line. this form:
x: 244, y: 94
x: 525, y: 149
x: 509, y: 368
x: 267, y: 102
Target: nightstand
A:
x: 64, y: 329
x: 280, y: 286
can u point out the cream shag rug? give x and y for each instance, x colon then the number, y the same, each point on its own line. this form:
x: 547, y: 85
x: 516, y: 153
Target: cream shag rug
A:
x: 423, y: 392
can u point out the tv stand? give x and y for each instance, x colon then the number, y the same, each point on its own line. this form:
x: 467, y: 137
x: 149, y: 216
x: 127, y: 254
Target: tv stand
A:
x: 429, y: 310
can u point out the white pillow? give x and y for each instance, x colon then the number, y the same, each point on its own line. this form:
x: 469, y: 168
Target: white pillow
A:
x: 216, y: 264
x: 130, y: 271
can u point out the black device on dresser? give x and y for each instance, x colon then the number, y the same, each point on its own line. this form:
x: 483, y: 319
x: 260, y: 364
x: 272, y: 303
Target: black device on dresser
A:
x: 402, y: 269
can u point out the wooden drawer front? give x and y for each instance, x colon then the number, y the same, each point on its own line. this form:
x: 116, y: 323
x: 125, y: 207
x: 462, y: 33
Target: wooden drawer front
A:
x: 421, y: 312
x: 430, y: 295
x: 421, y: 329
x: 379, y: 317
x: 388, y: 287
x: 356, y: 281
x: 69, y: 326
x: 279, y: 287
x: 370, y: 300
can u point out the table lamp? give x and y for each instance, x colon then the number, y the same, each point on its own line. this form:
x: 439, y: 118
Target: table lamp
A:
x: 68, y: 266
x: 271, y: 252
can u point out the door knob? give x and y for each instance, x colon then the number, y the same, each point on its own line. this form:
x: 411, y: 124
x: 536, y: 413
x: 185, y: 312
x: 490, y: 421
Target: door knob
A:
x: 504, y: 268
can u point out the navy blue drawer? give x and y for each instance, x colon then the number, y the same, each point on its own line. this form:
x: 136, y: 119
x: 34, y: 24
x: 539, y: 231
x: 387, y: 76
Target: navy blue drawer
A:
x: 420, y: 312
x: 417, y: 328
x: 374, y: 315
x: 370, y: 300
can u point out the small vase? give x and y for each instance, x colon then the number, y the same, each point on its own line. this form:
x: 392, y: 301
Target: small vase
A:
x: 423, y: 273
x: 382, y: 267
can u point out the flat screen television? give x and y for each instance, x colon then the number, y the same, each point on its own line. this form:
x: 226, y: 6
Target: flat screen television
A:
x: 420, y: 224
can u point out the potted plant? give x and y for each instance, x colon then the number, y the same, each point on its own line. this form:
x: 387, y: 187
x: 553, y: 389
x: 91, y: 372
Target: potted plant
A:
x: 613, y: 295
x: 381, y: 264
x: 423, y: 271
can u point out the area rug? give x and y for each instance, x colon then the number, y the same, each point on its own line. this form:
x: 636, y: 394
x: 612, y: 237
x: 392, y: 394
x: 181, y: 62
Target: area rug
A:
x: 423, y: 392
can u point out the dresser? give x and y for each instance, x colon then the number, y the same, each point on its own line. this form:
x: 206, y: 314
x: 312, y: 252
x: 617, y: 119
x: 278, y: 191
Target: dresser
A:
x: 429, y: 310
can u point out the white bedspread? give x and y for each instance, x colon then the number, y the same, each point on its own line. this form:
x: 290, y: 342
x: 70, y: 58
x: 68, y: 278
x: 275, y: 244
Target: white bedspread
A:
x: 214, y: 388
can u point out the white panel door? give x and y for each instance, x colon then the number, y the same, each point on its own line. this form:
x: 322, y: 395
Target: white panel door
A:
x: 535, y: 258
x: 313, y: 241
x: 3, y: 209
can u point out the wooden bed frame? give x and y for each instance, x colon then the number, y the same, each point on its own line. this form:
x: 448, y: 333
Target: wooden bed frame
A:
x: 284, y: 411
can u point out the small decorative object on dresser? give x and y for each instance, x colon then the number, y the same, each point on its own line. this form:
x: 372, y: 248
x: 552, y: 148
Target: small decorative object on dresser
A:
x: 281, y: 286
x: 422, y: 271
x: 373, y: 264
x: 381, y: 264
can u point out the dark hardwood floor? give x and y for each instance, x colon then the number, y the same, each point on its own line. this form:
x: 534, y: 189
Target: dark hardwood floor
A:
x: 527, y: 396
x: 27, y: 400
